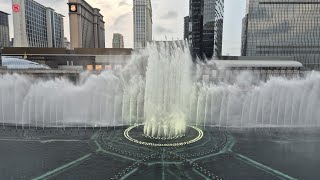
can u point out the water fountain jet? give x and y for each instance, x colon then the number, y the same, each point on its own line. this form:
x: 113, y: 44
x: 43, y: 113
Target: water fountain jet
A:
x: 168, y: 85
x: 159, y: 88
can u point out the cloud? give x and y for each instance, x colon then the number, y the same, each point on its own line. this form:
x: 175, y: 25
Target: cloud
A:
x: 170, y: 15
x: 162, y: 30
x: 120, y: 20
x: 118, y: 17
x: 123, y: 3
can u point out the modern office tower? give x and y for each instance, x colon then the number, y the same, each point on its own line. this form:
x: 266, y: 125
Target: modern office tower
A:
x: 4, y: 30
x: 117, y: 41
x: 86, y: 25
x: 186, y: 28
x: 206, y: 19
x: 36, y: 25
x: 244, y: 37
x: 142, y: 23
x: 218, y: 27
x: 284, y: 28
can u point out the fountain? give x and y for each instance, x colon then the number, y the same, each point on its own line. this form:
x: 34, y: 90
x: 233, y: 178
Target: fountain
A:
x: 196, y: 126
x: 160, y: 89
x: 168, y: 85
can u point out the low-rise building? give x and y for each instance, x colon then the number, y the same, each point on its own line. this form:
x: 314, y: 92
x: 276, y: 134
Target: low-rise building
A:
x: 228, y: 68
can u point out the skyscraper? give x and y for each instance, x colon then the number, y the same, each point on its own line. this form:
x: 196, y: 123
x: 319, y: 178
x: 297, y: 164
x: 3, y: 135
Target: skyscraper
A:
x: 142, y: 23
x: 117, y: 41
x: 206, y: 20
x: 244, y: 37
x: 283, y: 28
x: 186, y: 28
x: 4, y: 30
x: 36, y: 25
x: 86, y: 25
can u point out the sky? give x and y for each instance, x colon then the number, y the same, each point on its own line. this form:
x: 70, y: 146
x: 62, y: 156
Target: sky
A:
x: 167, y: 19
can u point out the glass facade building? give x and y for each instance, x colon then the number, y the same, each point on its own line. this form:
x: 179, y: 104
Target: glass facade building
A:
x: 283, y: 28
x: 244, y: 33
x: 206, y: 19
x: 186, y: 28
x: 36, y: 25
x: 4, y: 30
x: 218, y: 27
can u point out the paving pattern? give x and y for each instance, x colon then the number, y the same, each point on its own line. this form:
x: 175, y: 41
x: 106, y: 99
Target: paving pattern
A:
x: 105, y: 153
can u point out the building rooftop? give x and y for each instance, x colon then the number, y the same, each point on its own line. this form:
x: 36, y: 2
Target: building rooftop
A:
x: 19, y: 63
x: 4, y: 12
x: 257, y: 63
x: 63, y: 51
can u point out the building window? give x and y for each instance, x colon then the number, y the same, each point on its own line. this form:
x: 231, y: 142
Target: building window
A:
x: 90, y: 67
x: 99, y: 67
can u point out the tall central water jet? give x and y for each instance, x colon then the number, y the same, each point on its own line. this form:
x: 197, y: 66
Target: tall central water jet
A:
x: 168, y: 85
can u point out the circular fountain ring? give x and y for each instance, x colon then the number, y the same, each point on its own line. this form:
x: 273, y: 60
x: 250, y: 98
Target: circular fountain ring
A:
x: 197, y: 138
x: 163, y: 138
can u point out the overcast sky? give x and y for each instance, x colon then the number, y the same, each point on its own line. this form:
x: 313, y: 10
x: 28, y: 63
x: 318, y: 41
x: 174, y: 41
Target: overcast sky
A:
x: 167, y: 19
